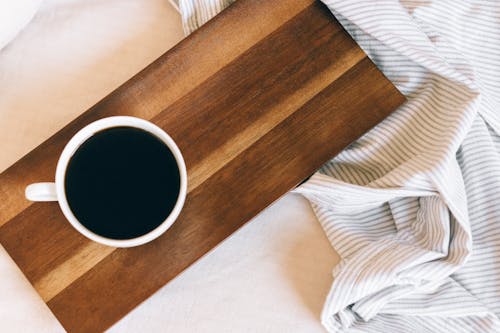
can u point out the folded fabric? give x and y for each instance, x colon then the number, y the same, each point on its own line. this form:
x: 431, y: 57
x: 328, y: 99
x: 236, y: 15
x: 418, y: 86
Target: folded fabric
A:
x: 195, y: 13
x: 14, y: 15
x: 412, y: 207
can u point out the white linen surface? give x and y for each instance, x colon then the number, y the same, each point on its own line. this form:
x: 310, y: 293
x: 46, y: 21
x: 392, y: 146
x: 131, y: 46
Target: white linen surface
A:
x: 14, y: 15
x: 21, y: 309
x: 413, y: 206
x: 271, y: 276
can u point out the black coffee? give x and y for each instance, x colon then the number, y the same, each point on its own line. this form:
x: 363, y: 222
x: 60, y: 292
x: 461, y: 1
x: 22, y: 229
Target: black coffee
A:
x: 122, y: 183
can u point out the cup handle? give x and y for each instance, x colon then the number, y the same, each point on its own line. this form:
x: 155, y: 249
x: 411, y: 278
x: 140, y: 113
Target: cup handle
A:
x: 41, y: 192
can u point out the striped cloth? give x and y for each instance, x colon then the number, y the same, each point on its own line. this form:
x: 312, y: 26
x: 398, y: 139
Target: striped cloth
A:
x: 195, y: 13
x: 413, y: 207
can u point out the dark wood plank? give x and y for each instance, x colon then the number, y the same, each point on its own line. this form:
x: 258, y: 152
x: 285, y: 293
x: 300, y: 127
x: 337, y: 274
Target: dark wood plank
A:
x: 156, y: 87
x: 210, y: 216
x: 255, y: 102
x: 281, y: 82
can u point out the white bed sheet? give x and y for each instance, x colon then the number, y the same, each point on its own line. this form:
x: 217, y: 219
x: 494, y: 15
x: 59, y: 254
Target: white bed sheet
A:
x: 271, y: 276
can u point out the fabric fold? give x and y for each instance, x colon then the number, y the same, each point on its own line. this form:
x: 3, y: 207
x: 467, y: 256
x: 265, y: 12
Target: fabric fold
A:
x: 412, y: 207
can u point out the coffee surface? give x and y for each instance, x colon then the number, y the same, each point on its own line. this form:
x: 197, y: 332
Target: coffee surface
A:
x: 122, y: 183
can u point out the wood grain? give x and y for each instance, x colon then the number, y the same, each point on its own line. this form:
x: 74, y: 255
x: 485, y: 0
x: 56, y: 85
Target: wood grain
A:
x: 256, y: 103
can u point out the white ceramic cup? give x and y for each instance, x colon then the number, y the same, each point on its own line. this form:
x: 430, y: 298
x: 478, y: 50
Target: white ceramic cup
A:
x: 56, y: 191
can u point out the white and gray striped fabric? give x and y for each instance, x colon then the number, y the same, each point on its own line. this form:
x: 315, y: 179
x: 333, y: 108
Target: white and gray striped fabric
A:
x: 413, y: 207
x: 195, y: 13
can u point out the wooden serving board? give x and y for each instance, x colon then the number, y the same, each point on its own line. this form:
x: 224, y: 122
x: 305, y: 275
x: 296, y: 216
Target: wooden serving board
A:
x: 257, y: 100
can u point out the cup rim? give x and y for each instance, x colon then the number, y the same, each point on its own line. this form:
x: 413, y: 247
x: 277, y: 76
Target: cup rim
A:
x: 79, y: 138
